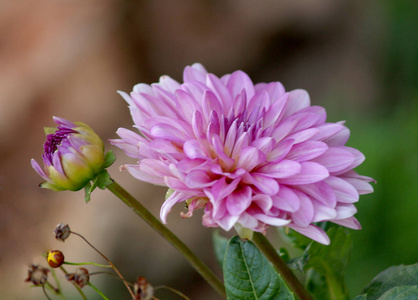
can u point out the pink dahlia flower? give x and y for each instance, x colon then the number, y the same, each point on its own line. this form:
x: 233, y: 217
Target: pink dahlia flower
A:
x: 247, y: 153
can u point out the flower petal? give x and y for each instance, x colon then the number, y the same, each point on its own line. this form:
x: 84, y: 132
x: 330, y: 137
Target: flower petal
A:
x: 238, y: 201
x: 310, y: 172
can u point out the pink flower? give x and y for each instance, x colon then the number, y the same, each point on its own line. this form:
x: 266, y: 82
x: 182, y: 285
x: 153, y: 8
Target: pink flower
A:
x: 249, y: 154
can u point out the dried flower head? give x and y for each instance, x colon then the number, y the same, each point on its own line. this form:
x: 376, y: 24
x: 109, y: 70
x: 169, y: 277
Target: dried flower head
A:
x: 73, y: 155
x: 37, y: 275
x: 247, y: 153
x: 62, y: 232
x: 143, y: 290
x: 55, y: 258
x: 80, y: 277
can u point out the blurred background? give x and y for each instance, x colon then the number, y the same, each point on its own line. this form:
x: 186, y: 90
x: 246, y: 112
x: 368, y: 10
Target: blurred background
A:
x: 67, y: 58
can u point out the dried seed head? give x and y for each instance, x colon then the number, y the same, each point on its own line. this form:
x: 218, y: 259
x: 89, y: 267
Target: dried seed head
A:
x: 37, y: 275
x: 62, y: 232
x: 80, y: 276
x: 143, y: 290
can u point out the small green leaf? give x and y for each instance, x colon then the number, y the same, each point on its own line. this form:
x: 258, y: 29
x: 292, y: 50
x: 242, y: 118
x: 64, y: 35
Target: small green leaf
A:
x: 103, y: 180
x: 392, y: 277
x: 329, y: 264
x: 87, y: 192
x: 109, y: 159
x: 248, y: 274
x: 219, y: 244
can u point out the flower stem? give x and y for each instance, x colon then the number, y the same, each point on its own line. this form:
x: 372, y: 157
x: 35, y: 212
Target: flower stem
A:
x: 109, y: 262
x: 86, y: 263
x: 292, y: 281
x: 141, y: 211
x: 98, y: 291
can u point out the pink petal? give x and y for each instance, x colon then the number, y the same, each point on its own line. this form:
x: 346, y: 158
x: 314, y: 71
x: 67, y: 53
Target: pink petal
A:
x: 345, y: 211
x: 280, y: 150
x: 304, y: 215
x: 198, y: 179
x: 275, y: 112
x: 338, y: 139
x: 194, y: 73
x: 321, y: 192
x: 310, y: 172
x: 39, y: 170
x: 169, y: 203
x: 306, y: 151
x: 313, y: 232
x: 248, y: 221
x: 221, y: 92
x: 239, y: 81
x: 227, y: 222
x: 351, y: 222
x: 298, y: 99
x: 282, y: 169
x: 238, y: 201
x: 194, y: 149
x: 323, y: 212
x: 274, y: 221
x: 168, y: 132
x: 336, y: 159
x: 265, y: 184
x: 250, y: 157
x: 264, y: 202
x: 344, y: 191
x: 286, y: 200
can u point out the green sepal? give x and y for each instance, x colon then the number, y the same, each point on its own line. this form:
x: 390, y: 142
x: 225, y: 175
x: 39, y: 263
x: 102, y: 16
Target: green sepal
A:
x: 88, y: 189
x: 103, y: 180
x: 109, y: 159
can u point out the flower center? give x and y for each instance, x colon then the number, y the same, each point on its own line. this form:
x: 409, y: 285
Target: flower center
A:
x: 53, y: 140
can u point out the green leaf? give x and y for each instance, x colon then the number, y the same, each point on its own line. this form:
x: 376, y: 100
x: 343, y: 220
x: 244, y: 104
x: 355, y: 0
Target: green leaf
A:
x: 248, y: 274
x: 109, y: 159
x: 219, y: 244
x: 329, y: 264
x: 396, y: 276
x: 401, y: 293
x: 361, y: 297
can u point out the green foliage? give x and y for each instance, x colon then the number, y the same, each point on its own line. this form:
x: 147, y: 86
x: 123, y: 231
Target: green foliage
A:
x: 109, y: 159
x: 248, y: 274
x: 219, y: 244
x: 101, y: 181
x: 329, y: 263
x: 398, y: 282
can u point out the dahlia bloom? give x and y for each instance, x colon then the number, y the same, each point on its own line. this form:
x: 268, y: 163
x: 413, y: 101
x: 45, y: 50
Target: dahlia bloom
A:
x: 251, y: 154
x: 73, y: 155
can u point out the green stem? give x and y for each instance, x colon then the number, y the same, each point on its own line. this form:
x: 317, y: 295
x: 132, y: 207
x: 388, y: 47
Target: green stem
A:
x: 292, y: 281
x: 98, y: 291
x: 141, y: 211
x: 87, y: 263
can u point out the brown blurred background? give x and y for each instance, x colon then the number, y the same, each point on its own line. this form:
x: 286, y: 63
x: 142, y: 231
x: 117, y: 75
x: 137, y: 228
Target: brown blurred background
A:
x: 68, y: 58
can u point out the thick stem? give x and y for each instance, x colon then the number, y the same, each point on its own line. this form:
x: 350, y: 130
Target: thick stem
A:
x: 141, y: 211
x: 292, y: 281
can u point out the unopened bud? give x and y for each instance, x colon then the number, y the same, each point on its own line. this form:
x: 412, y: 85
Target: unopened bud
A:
x: 55, y: 258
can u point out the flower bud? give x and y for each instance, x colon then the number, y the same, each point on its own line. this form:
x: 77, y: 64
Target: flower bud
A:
x: 37, y: 275
x: 80, y: 277
x: 62, y: 232
x: 73, y: 155
x: 55, y: 258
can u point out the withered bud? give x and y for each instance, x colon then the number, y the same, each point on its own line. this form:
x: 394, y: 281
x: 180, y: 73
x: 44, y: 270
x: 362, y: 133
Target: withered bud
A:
x: 143, y: 290
x: 55, y: 258
x: 37, y: 275
x: 62, y: 232
x: 80, y: 276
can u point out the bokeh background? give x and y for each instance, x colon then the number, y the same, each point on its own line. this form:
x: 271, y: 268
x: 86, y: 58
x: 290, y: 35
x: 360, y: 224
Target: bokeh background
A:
x: 68, y: 58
